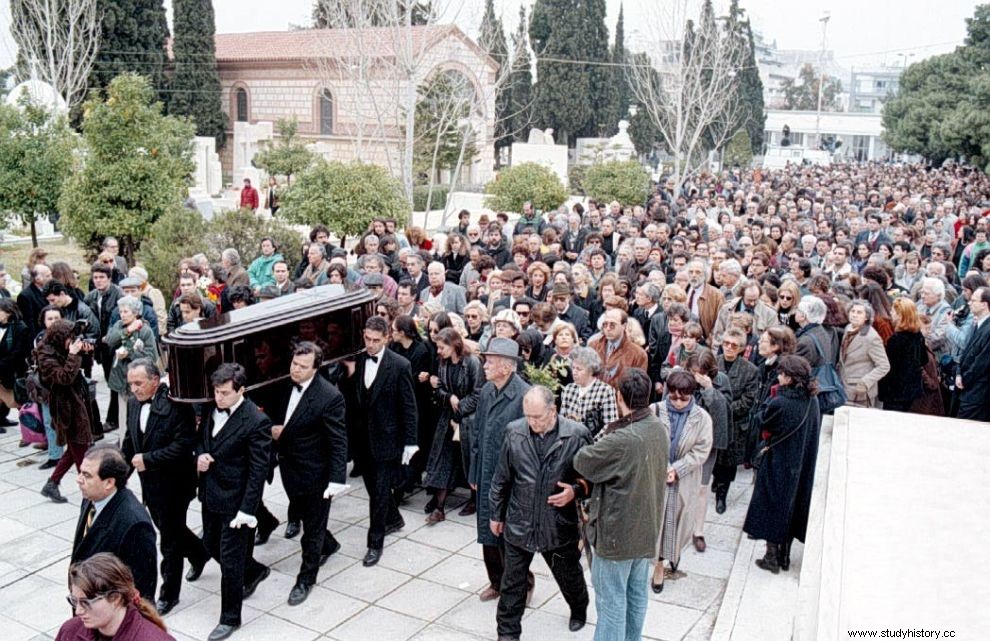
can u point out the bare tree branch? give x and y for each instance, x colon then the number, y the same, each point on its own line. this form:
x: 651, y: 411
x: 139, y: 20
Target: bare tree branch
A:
x: 58, y: 41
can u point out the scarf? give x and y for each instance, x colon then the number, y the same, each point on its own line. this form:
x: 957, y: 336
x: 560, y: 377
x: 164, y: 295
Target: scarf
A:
x: 678, y: 419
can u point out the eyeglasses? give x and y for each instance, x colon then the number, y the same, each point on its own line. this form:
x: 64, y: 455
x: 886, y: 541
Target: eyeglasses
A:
x: 85, y: 604
x: 675, y: 396
x: 520, y: 312
x: 730, y: 345
x: 107, y: 262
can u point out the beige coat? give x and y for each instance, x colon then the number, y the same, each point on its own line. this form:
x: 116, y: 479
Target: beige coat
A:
x: 693, y: 449
x: 764, y: 317
x: 862, y: 363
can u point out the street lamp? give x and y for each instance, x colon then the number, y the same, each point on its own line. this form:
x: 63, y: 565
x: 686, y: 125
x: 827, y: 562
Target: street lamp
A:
x: 821, y: 80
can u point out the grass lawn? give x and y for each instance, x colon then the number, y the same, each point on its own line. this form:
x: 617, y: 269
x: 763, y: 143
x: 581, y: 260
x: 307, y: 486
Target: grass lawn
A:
x: 14, y: 257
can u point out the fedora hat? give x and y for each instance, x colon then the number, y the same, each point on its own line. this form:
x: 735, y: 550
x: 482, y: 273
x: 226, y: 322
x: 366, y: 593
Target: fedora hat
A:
x: 504, y: 347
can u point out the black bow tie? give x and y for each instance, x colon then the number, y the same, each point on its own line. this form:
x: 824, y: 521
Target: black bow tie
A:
x: 373, y: 358
x: 298, y: 386
x: 147, y: 402
x: 221, y: 410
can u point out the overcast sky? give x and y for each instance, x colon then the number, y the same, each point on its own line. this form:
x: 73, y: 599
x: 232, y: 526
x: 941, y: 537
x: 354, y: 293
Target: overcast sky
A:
x: 862, y: 33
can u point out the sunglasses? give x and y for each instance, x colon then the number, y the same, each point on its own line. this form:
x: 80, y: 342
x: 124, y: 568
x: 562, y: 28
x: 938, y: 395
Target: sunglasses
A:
x: 731, y: 345
x: 784, y: 297
x: 680, y: 397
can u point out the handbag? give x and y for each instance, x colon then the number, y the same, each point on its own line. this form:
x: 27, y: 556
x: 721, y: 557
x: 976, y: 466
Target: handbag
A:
x: 831, y: 392
x: 765, y: 446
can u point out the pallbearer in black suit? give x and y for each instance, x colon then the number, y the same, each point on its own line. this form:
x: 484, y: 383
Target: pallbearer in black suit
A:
x: 312, y: 456
x: 232, y: 457
x: 159, y: 444
x: 384, y: 426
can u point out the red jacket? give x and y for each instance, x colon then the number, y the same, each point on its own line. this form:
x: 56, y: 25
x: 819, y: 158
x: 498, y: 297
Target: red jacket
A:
x: 134, y: 627
x: 249, y: 198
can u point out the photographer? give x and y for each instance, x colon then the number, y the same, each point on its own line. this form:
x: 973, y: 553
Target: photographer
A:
x: 59, y: 358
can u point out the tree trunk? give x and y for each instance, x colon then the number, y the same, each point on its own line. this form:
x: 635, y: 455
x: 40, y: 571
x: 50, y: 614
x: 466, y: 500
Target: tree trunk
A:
x: 34, y: 235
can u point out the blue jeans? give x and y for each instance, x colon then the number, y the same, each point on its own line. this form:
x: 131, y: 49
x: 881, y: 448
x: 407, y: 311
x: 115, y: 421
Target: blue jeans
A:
x: 54, y: 449
x: 620, y: 597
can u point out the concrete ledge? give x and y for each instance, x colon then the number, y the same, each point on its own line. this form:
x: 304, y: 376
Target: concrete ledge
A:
x: 732, y: 599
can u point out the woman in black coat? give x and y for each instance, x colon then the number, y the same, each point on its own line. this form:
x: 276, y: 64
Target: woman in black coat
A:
x: 789, y: 423
x: 907, y: 355
x: 774, y: 343
x: 407, y: 343
x: 455, y: 393
x: 15, y: 346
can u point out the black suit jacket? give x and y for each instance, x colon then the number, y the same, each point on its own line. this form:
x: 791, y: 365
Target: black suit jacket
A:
x: 123, y: 528
x: 312, y: 449
x: 974, y: 364
x: 580, y: 319
x: 384, y: 417
x: 241, y: 453
x: 167, y: 447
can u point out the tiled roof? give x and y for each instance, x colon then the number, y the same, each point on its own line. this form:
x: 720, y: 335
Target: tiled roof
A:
x: 316, y: 43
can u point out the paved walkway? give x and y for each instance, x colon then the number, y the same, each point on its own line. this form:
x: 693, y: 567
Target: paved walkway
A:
x: 424, y: 588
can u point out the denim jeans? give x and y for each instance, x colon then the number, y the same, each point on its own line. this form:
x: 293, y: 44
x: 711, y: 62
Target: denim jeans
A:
x: 620, y: 597
x: 54, y: 449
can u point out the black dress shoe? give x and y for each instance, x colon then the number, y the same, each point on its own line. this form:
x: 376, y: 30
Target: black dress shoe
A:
x: 468, y: 509
x: 395, y: 527
x: 110, y: 427
x: 49, y: 464
x: 576, y: 623
x: 299, y: 593
x: 164, y: 606
x: 719, y: 505
x: 373, y: 556
x: 6, y: 422
x: 333, y: 550
x: 50, y: 491
x: 292, y: 529
x: 253, y: 585
x: 195, y: 570
x: 221, y: 632
x: 262, y: 535
x: 656, y: 587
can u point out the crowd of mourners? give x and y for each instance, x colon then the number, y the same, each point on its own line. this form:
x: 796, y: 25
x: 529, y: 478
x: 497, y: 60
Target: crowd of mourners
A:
x: 591, y: 375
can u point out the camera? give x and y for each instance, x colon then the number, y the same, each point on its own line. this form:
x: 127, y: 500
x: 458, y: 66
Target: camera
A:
x: 79, y: 327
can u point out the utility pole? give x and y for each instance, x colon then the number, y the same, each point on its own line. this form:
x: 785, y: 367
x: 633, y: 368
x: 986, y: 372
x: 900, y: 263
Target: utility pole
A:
x: 821, y: 79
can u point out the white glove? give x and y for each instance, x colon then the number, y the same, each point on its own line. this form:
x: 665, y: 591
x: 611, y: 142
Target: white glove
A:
x: 408, y: 452
x: 334, y: 489
x: 243, y: 519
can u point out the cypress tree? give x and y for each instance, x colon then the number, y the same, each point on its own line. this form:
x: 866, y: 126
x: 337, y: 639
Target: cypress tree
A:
x: 492, y: 40
x: 620, y: 81
x: 562, y: 87
x: 133, y: 37
x: 195, y: 87
x: 521, y: 106
x: 752, y: 87
x: 593, y: 45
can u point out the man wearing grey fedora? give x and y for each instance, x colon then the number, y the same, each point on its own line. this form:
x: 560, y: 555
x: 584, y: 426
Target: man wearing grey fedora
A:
x: 500, y: 402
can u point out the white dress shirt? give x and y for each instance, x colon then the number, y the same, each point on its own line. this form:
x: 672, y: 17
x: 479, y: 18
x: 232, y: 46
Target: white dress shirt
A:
x: 220, y: 418
x: 145, y: 413
x: 294, y: 397
x: 371, y: 369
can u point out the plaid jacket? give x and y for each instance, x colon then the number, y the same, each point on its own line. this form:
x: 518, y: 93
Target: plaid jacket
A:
x: 596, y: 409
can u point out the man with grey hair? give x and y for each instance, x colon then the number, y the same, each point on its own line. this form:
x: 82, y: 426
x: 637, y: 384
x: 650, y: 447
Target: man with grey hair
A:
x: 532, y: 507
x: 933, y: 306
x: 236, y: 274
x: 158, y: 444
x: 449, y: 296
x: 704, y: 301
x: 730, y: 273
x: 500, y: 402
x: 641, y: 255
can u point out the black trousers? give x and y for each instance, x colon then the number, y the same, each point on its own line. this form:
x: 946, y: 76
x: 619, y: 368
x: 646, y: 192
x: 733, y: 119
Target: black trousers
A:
x: 112, y: 411
x: 494, y: 556
x: 233, y: 549
x: 267, y: 520
x: 380, y: 477
x: 313, y: 510
x: 565, y: 564
x: 177, y: 542
x: 723, y: 475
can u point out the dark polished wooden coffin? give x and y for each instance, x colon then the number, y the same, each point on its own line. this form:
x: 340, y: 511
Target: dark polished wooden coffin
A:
x: 261, y: 338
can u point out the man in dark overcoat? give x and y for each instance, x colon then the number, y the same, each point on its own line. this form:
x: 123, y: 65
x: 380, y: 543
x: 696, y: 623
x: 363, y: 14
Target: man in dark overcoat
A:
x: 111, y: 519
x: 383, y: 429
x: 159, y: 443
x: 311, y: 440
x: 973, y: 380
x: 499, y: 403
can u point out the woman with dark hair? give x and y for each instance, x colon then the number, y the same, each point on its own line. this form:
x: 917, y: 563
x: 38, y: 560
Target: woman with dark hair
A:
x: 107, y: 604
x: 874, y: 293
x: 48, y: 316
x: 789, y: 422
x: 690, y: 429
x: 714, y: 395
x: 531, y: 348
x: 63, y: 273
x: 455, y: 390
x: 862, y: 358
x: 15, y: 345
x: 907, y: 354
x: 337, y: 275
x: 59, y: 359
x: 455, y: 256
x: 407, y: 343
x: 260, y: 270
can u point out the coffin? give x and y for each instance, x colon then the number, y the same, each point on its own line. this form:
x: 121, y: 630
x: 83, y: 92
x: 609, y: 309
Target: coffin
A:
x: 261, y: 338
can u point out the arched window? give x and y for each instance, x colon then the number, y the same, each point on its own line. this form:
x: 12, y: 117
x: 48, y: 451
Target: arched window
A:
x: 242, y: 104
x: 326, y: 113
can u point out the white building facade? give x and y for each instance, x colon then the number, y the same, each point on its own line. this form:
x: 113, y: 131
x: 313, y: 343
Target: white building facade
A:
x: 860, y: 133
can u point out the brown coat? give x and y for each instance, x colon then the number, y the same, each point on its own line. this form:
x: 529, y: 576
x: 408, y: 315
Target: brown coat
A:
x: 862, y: 363
x: 238, y: 276
x: 61, y: 374
x: 709, y: 304
x: 628, y: 354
